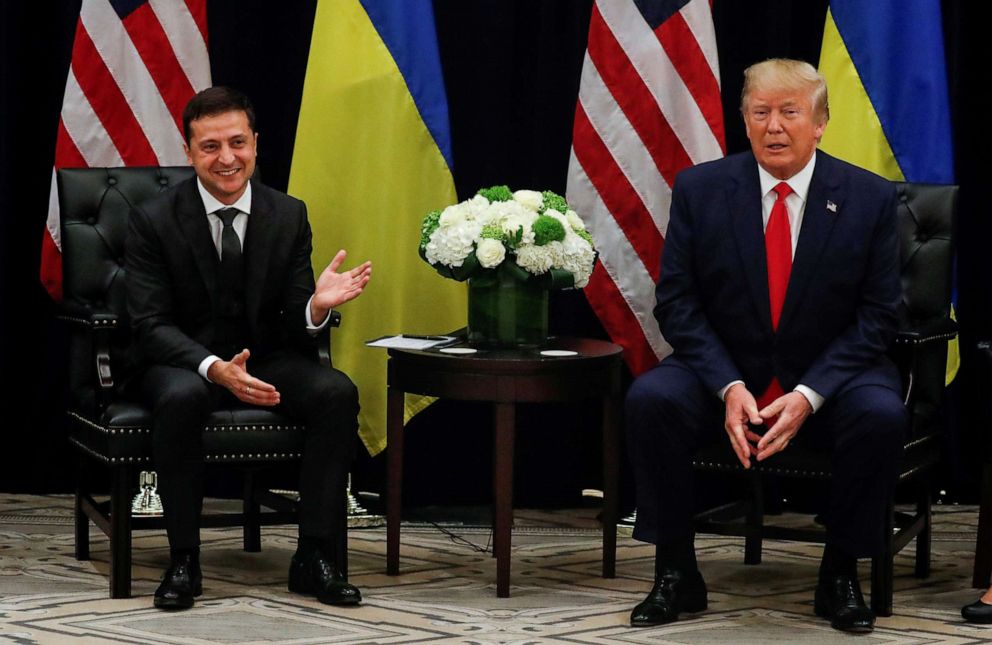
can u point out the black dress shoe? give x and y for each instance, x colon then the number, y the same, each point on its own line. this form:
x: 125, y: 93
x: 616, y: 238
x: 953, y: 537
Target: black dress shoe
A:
x: 673, y: 592
x: 317, y: 576
x: 839, y: 599
x: 977, y: 612
x: 181, y: 583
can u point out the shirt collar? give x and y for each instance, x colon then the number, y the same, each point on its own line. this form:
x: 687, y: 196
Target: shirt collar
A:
x: 211, y: 204
x: 799, y: 182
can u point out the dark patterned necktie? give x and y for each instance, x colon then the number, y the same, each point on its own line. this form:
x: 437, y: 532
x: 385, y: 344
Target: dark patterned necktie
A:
x: 231, y: 262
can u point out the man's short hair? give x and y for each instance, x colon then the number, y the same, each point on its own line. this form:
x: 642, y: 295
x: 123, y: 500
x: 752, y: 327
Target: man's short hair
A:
x: 788, y: 74
x: 213, y: 101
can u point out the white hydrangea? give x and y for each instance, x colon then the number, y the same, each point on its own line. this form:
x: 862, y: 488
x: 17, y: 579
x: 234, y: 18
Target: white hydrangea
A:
x: 490, y: 252
x: 535, y: 259
x: 578, y: 258
x: 450, y: 245
x: 531, y: 199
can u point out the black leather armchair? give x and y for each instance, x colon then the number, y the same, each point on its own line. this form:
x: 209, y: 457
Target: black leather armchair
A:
x: 926, y: 214
x: 115, y: 433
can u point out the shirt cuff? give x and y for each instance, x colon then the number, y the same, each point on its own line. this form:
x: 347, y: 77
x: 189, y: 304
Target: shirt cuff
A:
x: 815, y: 400
x: 311, y: 327
x: 723, y: 391
x: 205, y: 365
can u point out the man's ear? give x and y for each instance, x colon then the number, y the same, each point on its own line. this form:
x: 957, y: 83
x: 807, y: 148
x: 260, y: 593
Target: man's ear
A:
x: 189, y: 157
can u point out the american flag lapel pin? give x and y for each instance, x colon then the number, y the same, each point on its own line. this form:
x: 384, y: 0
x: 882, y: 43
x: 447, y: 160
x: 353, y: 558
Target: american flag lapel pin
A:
x: 832, y: 207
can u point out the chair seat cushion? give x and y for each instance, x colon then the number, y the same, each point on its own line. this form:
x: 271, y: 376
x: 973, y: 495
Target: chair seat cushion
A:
x: 123, y: 434
x: 802, y: 461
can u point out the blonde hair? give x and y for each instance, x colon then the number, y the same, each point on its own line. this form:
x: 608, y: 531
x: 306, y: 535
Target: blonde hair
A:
x: 788, y: 74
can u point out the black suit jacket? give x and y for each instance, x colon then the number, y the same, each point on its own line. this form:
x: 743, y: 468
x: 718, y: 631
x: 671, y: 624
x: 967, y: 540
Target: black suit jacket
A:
x: 840, y: 308
x: 172, y: 267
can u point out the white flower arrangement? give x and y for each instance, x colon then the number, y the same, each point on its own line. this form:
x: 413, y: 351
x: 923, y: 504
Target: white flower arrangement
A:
x: 526, y: 232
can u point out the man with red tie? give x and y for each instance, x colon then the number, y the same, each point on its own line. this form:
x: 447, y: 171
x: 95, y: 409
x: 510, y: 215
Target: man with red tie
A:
x: 778, y: 294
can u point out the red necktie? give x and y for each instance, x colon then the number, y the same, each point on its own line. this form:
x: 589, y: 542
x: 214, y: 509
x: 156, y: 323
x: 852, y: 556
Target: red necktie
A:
x: 778, y: 255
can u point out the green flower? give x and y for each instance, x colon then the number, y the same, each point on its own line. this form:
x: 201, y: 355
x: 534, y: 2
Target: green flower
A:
x: 585, y: 236
x: 547, y: 229
x: 492, y: 232
x: 431, y: 221
x: 496, y: 193
x: 554, y: 201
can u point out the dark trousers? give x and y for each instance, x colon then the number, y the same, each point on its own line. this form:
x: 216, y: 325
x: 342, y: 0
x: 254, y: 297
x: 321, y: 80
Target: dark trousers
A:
x: 323, y: 399
x: 670, y: 415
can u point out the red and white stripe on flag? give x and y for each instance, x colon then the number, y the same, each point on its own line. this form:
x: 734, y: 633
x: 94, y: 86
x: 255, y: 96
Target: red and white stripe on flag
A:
x: 135, y: 64
x: 649, y: 106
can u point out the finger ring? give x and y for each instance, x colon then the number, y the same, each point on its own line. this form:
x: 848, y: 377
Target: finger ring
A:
x: 247, y: 389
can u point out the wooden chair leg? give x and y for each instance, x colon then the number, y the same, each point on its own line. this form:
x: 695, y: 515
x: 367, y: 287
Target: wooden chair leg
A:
x: 252, y: 514
x: 983, y: 543
x: 923, y: 538
x: 882, y: 570
x: 120, y: 533
x: 755, y: 521
x: 82, y: 522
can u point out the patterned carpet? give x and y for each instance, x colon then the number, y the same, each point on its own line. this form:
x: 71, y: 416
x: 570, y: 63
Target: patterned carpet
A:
x: 446, y: 592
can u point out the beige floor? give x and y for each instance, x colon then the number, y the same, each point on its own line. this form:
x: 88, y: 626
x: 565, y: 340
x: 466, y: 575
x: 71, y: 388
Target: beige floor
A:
x: 446, y: 591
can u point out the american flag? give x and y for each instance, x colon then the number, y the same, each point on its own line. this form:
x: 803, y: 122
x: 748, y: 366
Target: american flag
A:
x: 649, y: 106
x: 135, y: 64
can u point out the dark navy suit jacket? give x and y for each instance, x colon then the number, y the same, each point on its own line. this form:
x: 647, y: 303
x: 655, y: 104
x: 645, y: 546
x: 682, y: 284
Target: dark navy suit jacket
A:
x: 840, y: 309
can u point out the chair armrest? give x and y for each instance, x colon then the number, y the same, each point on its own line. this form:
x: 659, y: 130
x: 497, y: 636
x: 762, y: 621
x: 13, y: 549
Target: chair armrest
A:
x: 922, y: 348
x: 324, y: 337
x: 941, y: 329
x: 99, y: 326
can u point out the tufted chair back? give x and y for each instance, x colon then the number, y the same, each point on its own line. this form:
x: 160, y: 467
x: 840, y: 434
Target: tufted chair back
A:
x: 926, y: 220
x: 94, y: 228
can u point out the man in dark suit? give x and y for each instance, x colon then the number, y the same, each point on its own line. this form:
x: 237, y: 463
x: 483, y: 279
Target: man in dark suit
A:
x: 224, y: 306
x: 778, y: 294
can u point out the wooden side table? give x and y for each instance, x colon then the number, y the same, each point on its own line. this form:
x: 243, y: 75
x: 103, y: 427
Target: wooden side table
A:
x: 505, y: 378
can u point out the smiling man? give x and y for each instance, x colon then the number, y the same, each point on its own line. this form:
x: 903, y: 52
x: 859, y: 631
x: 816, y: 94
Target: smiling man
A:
x: 778, y: 294
x: 224, y: 309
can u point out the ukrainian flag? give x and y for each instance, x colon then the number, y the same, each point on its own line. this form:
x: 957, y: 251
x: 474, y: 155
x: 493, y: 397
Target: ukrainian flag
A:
x: 883, y: 61
x: 372, y: 157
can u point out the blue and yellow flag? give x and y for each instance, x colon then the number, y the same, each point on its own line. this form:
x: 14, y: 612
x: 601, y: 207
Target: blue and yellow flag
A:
x: 372, y: 157
x: 889, y: 106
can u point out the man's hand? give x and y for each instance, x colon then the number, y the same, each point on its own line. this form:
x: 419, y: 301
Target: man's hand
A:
x: 791, y: 410
x: 741, y: 409
x: 235, y: 377
x: 335, y: 288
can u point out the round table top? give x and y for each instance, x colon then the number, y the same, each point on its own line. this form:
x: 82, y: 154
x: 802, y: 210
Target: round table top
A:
x: 563, y: 368
x: 558, y: 349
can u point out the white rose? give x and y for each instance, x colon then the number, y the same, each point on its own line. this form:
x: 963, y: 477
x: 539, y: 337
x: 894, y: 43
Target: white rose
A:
x: 531, y: 199
x: 490, y: 252
x: 575, y: 221
x: 476, y: 208
x: 452, y: 215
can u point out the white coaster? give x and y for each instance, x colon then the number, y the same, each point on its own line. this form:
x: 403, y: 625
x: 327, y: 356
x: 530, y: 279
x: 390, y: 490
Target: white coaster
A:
x: 458, y: 350
x: 559, y: 352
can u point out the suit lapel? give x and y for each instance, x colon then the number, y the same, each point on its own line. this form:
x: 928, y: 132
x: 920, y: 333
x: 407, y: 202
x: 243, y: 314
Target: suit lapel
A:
x: 745, y: 202
x: 193, y: 222
x: 818, y: 222
x: 256, y: 252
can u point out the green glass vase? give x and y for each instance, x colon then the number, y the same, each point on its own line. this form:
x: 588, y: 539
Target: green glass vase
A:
x: 506, y: 312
